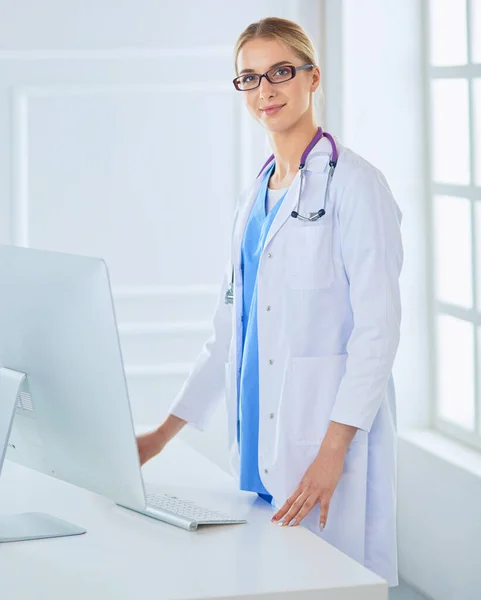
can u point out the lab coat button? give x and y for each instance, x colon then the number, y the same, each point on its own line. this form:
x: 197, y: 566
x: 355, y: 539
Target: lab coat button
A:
x: 268, y: 308
x: 271, y: 416
x: 269, y: 255
x: 271, y: 362
x: 266, y: 471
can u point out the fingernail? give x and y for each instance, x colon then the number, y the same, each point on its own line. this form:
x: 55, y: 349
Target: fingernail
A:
x: 292, y: 523
x: 321, y: 526
x: 281, y: 523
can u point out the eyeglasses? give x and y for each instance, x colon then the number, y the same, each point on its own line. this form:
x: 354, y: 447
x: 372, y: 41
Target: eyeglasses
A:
x: 250, y: 81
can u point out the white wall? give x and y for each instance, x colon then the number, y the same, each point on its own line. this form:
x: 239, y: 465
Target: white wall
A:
x: 122, y: 136
x: 439, y: 516
x: 380, y: 91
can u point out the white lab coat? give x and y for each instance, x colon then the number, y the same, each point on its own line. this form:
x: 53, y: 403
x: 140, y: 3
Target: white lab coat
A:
x: 326, y: 349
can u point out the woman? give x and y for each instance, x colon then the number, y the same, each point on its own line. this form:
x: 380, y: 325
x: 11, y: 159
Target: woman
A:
x: 309, y: 327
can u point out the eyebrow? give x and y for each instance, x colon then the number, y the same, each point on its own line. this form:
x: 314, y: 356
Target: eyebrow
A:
x: 277, y: 64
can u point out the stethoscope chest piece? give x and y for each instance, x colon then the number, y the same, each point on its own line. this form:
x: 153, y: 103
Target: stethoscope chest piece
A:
x: 229, y: 296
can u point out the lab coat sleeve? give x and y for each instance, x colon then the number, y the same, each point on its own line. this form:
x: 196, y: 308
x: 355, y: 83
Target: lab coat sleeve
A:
x: 371, y: 244
x: 205, y: 386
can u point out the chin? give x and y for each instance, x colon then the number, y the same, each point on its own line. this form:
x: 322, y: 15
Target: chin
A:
x: 278, y: 127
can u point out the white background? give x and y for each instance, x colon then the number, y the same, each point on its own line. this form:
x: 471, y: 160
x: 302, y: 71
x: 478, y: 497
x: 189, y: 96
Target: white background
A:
x: 121, y: 136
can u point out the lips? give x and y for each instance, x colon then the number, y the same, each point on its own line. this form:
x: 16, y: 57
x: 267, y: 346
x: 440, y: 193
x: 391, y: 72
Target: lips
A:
x: 271, y: 110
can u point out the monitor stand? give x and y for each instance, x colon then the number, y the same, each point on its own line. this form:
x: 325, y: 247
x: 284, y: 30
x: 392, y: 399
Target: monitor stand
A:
x: 25, y: 526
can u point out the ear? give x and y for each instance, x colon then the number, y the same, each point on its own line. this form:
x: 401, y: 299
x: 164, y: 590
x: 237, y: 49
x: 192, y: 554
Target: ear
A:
x: 316, y: 78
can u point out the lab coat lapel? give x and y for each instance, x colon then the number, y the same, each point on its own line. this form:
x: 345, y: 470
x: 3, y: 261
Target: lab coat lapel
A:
x: 241, y: 221
x: 287, y: 206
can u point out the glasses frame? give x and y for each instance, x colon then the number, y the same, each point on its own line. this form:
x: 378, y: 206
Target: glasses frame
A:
x: 294, y: 71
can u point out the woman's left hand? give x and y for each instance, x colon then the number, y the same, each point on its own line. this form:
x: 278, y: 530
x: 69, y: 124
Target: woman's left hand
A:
x: 317, y: 485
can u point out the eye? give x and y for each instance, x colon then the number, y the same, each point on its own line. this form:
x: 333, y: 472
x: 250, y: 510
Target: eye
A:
x: 247, y: 79
x: 282, y: 72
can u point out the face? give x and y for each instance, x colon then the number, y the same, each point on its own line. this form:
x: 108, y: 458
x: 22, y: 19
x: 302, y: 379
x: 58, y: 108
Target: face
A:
x: 293, y: 97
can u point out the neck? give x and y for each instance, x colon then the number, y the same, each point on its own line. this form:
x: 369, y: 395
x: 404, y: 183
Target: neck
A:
x: 288, y: 147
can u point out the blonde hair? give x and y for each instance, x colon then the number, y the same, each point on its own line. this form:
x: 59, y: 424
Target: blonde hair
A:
x: 288, y: 33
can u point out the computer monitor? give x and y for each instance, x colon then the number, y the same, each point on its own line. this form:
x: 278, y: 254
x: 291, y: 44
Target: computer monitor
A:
x: 64, y: 403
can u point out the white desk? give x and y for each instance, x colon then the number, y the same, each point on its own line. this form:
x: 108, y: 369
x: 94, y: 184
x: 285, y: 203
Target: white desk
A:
x: 126, y: 556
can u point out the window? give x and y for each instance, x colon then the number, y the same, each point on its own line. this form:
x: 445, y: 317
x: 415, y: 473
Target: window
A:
x: 453, y: 68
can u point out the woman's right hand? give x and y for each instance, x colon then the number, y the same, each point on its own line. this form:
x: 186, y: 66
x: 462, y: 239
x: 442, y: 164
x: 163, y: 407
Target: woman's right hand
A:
x: 150, y: 444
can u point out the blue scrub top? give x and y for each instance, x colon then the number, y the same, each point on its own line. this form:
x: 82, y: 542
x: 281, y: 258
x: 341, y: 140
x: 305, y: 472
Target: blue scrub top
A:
x: 253, y: 242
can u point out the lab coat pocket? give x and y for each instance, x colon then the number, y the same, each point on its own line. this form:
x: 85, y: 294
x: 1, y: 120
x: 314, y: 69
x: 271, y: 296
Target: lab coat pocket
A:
x: 311, y: 388
x: 309, y: 256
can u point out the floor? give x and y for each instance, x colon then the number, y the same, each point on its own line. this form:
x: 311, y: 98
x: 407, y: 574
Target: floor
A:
x: 405, y: 592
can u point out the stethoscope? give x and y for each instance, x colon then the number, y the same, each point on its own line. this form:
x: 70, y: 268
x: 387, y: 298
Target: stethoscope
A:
x: 229, y: 295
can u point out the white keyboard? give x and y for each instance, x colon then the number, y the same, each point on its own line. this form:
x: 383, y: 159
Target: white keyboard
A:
x: 187, y: 511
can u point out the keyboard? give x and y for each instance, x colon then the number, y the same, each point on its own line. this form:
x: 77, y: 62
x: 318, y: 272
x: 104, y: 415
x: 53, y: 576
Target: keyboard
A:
x: 184, y: 513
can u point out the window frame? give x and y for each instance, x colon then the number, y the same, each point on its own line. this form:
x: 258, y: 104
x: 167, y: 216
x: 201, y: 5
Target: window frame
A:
x: 472, y: 193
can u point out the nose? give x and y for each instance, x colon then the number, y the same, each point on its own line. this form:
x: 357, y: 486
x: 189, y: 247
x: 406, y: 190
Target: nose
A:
x: 265, y: 88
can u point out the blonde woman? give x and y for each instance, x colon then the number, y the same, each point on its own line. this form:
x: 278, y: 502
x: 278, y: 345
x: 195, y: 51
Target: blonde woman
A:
x: 307, y: 323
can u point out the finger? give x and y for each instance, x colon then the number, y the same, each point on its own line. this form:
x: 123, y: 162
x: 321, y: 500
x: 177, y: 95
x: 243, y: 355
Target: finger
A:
x: 324, y: 512
x: 306, y: 508
x: 281, y: 512
x: 294, y: 510
x: 286, y: 506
